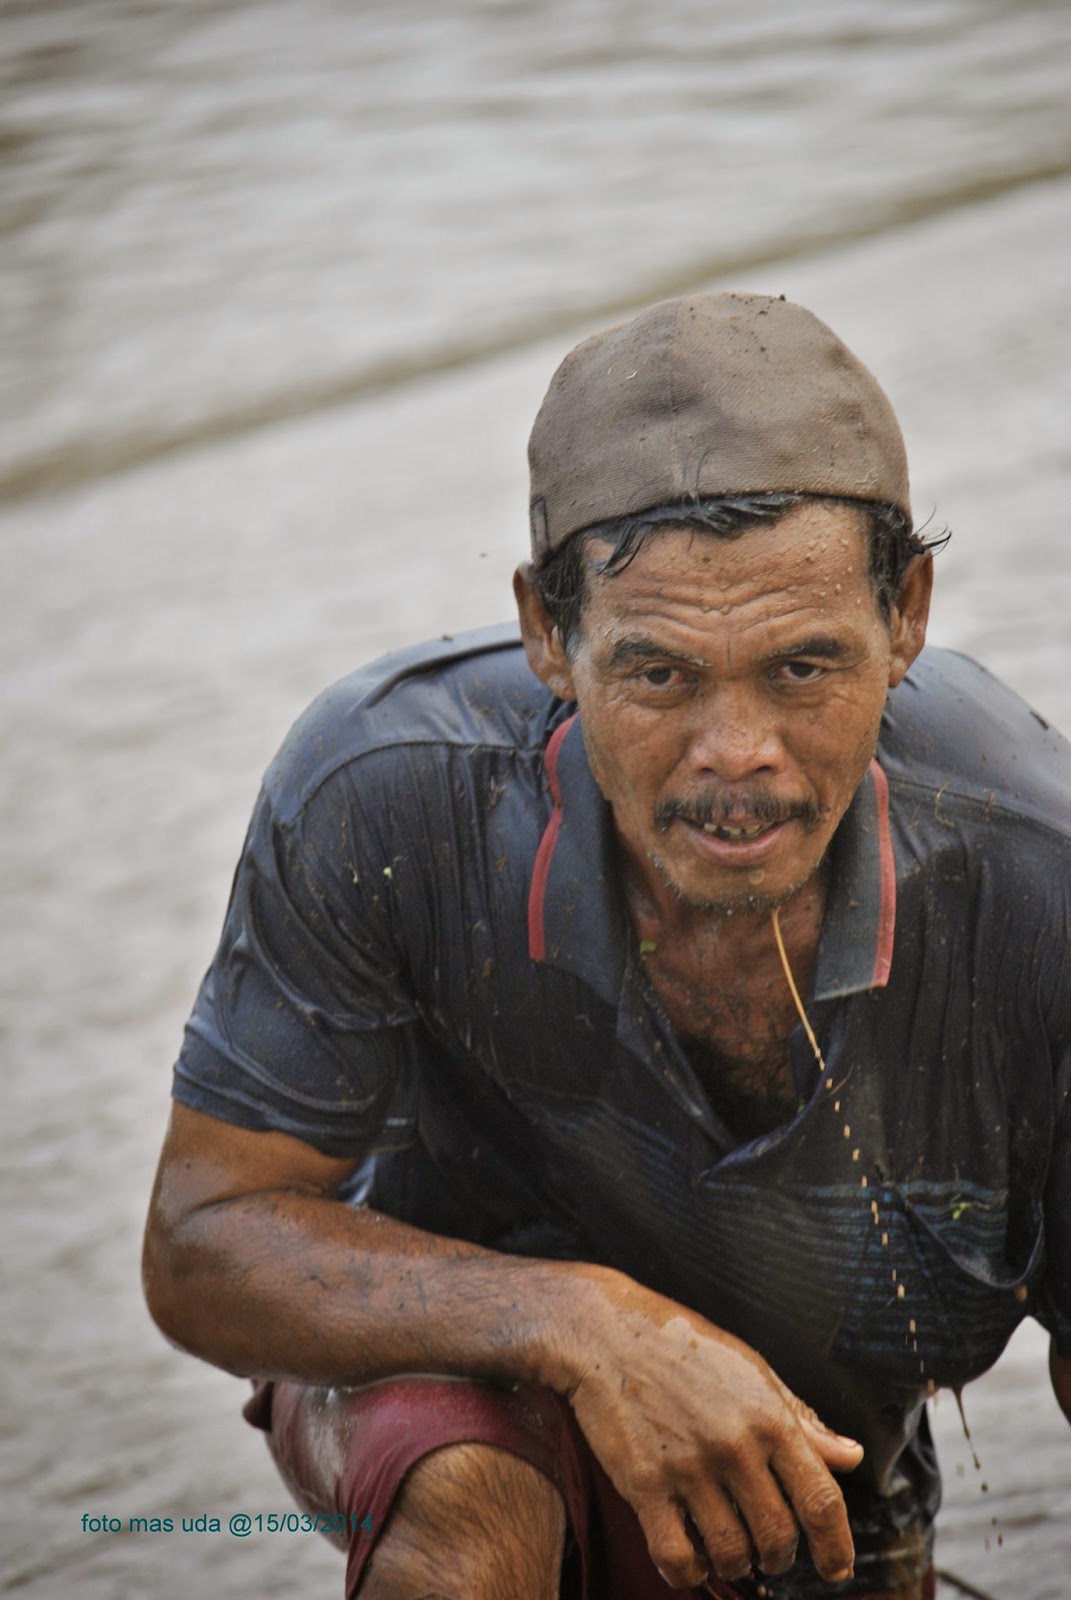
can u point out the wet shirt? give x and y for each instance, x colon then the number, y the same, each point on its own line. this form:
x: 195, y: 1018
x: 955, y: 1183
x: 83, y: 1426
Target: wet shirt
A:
x: 427, y: 964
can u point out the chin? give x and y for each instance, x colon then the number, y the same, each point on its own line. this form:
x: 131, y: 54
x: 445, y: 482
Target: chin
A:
x: 753, y: 903
x: 748, y: 900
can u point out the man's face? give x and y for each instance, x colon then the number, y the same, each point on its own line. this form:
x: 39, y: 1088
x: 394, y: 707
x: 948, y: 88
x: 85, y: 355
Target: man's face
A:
x: 730, y: 693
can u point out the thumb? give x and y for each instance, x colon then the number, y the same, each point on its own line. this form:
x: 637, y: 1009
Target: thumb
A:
x: 836, y: 1449
x: 839, y: 1453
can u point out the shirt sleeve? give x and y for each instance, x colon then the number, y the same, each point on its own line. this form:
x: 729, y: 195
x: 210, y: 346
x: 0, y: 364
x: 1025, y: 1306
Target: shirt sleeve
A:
x: 304, y: 1023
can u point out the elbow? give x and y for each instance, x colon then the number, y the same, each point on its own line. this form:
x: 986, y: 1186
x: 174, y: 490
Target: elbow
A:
x: 181, y: 1285
x: 166, y: 1284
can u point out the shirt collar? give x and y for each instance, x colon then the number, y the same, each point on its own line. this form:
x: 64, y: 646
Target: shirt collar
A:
x: 578, y: 921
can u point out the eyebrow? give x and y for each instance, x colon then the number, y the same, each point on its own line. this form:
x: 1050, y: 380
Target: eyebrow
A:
x: 628, y: 651
x: 823, y: 645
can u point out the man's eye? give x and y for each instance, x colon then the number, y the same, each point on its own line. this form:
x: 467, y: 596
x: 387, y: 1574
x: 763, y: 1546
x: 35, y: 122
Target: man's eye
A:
x: 801, y: 671
x: 658, y: 677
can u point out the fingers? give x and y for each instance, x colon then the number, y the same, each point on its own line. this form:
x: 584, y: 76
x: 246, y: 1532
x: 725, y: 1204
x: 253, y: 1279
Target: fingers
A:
x: 734, y: 1543
x: 839, y: 1453
x: 756, y: 1518
x: 753, y: 1516
x: 836, y: 1450
x: 760, y: 1528
x: 819, y: 1506
x: 669, y: 1546
x: 732, y: 1546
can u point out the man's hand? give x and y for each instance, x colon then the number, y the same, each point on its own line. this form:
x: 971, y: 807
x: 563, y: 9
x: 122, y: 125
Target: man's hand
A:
x: 251, y: 1264
x: 689, y: 1421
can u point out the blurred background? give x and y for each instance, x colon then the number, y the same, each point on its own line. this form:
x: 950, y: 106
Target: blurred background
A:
x: 281, y: 287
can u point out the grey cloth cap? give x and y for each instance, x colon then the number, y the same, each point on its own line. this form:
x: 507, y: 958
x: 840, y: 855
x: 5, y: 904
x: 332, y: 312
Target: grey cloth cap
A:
x: 713, y: 394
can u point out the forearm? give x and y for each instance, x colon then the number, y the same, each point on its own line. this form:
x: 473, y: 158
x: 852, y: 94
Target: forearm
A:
x: 252, y: 1264
x: 299, y: 1286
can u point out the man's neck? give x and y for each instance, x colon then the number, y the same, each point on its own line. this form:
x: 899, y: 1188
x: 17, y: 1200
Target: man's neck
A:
x: 721, y: 981
x: 662, y: 917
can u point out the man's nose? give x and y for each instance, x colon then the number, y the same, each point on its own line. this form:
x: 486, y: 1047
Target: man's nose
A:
x: 735, y: 737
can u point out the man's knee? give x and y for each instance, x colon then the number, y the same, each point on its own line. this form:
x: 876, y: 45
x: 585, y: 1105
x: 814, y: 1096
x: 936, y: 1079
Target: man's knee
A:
x: 461, y: 1485
x: 472, y: 1521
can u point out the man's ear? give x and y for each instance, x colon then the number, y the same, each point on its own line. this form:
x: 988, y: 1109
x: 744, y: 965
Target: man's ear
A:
x: 910, y: 613
x: 542, y: 641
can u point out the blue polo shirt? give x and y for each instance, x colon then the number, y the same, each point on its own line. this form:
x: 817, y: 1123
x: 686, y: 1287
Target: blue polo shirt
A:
x: 427, y: 964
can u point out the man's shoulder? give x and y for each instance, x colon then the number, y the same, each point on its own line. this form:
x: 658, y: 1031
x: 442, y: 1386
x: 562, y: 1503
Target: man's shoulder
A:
x: 953, y: 729
x: 470, y: 691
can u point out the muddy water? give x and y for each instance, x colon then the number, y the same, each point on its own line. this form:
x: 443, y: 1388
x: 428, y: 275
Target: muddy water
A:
x: 281, y: 291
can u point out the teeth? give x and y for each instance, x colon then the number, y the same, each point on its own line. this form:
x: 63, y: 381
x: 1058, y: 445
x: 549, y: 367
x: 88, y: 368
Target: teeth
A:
x: 735, y: 833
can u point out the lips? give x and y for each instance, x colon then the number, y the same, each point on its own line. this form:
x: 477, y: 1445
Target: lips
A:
x: 737, y: 832
x: 736, y: 847
x: 723, y: 831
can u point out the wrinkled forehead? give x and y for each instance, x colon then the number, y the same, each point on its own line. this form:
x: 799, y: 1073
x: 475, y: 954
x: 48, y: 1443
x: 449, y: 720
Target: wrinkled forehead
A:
x: 693, y: 593
x: 783, y: 546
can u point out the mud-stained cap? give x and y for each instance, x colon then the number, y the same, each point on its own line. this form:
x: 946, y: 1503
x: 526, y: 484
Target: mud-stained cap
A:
x: 712, y: 394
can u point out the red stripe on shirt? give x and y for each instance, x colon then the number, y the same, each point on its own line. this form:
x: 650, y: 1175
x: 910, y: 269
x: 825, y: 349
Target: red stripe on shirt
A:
x: 887, y: 883
x: 537, y: 936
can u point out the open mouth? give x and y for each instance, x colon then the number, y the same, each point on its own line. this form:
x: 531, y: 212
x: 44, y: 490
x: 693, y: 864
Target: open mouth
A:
x: 721, y: 830
x: 738, y: 844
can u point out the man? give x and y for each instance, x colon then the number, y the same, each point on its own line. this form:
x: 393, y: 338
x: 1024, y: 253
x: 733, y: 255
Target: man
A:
x: 619, y: 1098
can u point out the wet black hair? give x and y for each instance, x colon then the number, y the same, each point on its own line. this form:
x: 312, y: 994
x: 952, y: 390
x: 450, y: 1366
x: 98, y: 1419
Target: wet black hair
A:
x: 560, y: 576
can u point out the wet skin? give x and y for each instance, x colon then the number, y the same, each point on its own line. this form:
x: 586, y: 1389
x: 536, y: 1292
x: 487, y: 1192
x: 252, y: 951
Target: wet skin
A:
x: 730, y: 693
x: 250, y: 1261
x: 251, y: 1264
x: 738, y: 684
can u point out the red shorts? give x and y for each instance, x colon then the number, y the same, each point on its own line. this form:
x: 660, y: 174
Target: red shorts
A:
x: 344, y: 1453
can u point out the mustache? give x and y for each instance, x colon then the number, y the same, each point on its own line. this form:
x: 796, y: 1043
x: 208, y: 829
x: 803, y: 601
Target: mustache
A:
x: 736, y: 810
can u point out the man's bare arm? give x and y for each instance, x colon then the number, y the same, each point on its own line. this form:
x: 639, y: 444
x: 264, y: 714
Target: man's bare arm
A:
x: 252, y: 1264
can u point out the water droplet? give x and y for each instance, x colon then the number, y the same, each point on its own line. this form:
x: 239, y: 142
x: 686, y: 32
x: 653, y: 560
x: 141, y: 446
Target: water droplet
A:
x: 966, y: 1431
